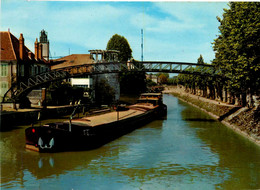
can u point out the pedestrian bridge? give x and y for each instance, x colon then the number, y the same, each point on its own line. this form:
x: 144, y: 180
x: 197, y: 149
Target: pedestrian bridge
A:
x: 23, y: 88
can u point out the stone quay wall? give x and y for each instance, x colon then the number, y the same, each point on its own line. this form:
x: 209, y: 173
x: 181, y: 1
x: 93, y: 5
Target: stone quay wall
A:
x: 243, y: 120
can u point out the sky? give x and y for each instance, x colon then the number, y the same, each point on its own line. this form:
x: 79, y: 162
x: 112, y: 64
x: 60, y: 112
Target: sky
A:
x: 173, y: 31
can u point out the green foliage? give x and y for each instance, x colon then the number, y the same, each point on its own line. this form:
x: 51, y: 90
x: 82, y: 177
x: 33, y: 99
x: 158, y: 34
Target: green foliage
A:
x: 130, y: 82
x: 121, y: 44
x: 194, y: 82
x: 150, y: 83
x: 237, y: 54
x: 237, y: 48
x: 62, y: 93
x: 200, y: 60
x: 163, y: 78
x: 173, y: 80
x: 104, y: 93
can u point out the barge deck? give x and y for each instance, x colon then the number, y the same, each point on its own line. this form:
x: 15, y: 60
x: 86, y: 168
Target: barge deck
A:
x: 94, y: 131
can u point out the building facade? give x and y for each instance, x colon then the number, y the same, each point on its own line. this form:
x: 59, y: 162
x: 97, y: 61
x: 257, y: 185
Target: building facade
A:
x: 17, y: 62
x: 112, y: 79
x: 45, y: 45
x: 91, y: 81
x: 153, y: 78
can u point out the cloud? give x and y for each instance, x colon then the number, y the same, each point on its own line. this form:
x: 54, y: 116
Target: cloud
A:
x: 165, y: 25
x: 171, y: 30
x: 178, y: 16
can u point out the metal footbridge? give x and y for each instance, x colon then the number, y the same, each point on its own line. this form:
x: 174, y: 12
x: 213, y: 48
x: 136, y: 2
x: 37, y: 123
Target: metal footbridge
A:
x: 24, y: 87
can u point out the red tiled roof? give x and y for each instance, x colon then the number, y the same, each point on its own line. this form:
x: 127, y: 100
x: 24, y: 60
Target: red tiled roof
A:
x: 7, y: 51
x: 10, y: 47
x: 72, y: 60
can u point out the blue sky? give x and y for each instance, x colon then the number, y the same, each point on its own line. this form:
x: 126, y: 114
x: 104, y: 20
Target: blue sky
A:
x: 173, y: 31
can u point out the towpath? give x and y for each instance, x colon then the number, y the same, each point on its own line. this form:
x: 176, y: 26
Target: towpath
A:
x: 181, y: 91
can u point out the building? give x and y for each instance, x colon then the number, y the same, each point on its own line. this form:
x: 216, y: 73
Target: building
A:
x: 153, y: 78
x: 112, y: 79
x: 91, y: 81
x: 45, y: 45
x: 17, y: 62
x: 74, y: 60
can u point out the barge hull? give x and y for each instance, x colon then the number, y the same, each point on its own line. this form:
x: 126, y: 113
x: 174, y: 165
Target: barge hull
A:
x: 65, y: 140
x: 94, y: 131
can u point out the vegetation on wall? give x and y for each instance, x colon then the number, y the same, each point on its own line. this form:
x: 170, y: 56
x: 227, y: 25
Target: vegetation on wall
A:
x: 104, y: 93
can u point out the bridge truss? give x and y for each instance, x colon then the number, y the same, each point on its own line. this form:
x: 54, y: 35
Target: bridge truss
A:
x: 23, y: 88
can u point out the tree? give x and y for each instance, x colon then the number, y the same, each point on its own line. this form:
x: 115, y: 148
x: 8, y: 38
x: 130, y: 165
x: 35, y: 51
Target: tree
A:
x: 150, y: 83
x: 104, y: 93
x: 238, y: 45
x: 62, y: 93
x: 201, y: 81
x: 173, y: 80
x: 59, y: 93
x: 200, y: 60
x: 121, y: 44
x: 193, y: 83
x: 130, y: 82
x: 163, y: 77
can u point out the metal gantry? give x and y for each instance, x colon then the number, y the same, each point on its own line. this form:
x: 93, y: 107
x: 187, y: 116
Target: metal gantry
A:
x: 24, y: 87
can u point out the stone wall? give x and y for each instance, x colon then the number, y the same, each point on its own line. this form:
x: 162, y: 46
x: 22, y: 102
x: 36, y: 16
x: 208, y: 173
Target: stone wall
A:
x: 10, y: 119
x: 112, y: 79
x: 243, y: 120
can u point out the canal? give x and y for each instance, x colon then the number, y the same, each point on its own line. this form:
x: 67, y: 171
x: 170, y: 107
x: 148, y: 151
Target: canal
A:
x: 186, y: 150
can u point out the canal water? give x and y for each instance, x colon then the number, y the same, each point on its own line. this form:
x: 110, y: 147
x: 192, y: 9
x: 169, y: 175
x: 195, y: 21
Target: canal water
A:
x: 186, y: 150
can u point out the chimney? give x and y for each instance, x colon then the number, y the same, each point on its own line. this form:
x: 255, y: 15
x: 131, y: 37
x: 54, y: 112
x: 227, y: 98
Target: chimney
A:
x: 30, y: 54
x: 40, y: 51
x: 36, y: 49
x: 21, y: 47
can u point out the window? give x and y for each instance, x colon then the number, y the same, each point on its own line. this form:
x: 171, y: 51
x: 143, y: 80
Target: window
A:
x: 3, y: 88
x: 4, y: 70
x: 32, y: 70
x: 35, y: 70
x: 22, y: 70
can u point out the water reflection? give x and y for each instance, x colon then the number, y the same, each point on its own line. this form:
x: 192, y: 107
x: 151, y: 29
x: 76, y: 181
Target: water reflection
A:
x: 238, y: 156
x: 47, y: 164
x: 200, y: 120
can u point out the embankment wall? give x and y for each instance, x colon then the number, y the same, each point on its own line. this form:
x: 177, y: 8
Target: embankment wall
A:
x: 10, y: 119
x: 242, y: 120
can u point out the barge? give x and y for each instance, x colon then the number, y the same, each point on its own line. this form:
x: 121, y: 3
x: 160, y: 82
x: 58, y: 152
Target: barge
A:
x: 94, y: 131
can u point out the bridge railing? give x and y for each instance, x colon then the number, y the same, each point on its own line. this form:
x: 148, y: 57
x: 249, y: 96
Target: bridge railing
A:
x: 108, y: 67
x: 23, y: 87
x: 173, y: 67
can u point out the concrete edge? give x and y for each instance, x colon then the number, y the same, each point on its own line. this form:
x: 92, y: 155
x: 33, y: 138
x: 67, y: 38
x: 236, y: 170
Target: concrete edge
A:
x: 231, y: 126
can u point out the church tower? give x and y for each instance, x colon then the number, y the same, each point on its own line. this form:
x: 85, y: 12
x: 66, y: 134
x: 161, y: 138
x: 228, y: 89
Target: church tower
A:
x: 45, y: 45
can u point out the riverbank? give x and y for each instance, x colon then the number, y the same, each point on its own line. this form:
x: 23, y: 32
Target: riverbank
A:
x: 11, y: 117
x: 242, y: 120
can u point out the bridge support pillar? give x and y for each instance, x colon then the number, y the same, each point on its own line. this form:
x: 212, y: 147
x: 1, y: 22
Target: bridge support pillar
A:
x: 43, y: 100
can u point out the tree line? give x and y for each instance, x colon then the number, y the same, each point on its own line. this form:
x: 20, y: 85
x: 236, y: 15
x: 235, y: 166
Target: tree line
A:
x: 237, y: 56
